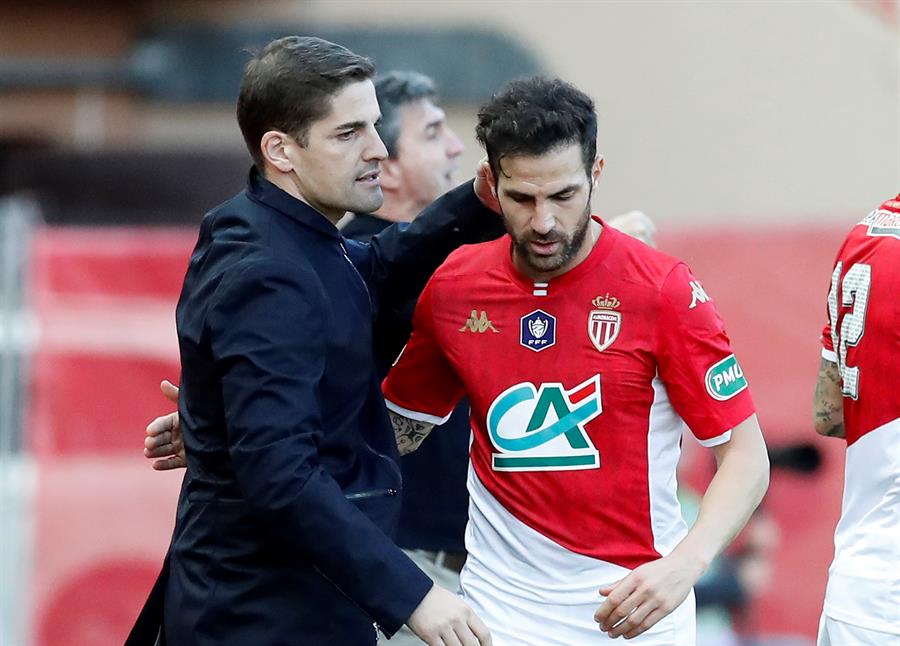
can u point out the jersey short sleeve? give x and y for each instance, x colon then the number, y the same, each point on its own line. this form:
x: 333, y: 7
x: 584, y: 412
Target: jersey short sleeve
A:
x: 704, y: 380
x: 423, y: 385
x: 827, y: 344
x: 826, y: 340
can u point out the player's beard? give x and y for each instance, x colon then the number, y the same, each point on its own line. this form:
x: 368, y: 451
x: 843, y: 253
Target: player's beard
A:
x: 569, y: 245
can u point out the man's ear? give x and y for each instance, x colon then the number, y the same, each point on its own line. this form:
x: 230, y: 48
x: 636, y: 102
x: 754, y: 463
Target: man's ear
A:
x: 391, y: 175
x: 489, y: 175
x: 596, y: 170
x: 273, y: 146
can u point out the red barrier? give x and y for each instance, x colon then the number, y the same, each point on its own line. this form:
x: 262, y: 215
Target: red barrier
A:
x: 105, y: 302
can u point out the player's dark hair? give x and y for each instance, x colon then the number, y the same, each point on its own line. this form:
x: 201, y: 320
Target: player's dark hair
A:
x: 535, y: 115
x: 289, y: 85
x: 394, y: 90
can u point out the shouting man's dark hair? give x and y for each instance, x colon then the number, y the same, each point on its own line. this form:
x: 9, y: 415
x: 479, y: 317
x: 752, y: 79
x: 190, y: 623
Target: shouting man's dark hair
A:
x: 290, y: 84
x: 394, y: 90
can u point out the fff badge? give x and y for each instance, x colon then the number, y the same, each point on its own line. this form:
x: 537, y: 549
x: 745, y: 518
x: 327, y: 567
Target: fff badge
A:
x: 538, y: 330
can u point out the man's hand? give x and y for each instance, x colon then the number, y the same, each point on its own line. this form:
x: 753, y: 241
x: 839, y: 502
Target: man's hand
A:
x: 649, y: 593
x: 163, y: 442
x: 443, y: 619
x: 485, y: 188
x: 637, y: 224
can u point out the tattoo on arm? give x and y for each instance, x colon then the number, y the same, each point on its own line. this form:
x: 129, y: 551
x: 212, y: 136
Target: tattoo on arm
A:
x: 409, y: 433
x: 828, y: 404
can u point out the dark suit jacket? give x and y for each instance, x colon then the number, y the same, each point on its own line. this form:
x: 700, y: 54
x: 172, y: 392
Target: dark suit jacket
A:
x: 291, y: 492
x: 435, y: 506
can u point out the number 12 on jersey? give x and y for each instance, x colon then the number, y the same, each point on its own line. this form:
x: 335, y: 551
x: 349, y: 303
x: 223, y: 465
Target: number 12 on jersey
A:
x: 847, y: 331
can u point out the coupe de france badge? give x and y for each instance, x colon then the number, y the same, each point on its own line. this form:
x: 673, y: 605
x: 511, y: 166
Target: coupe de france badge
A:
x: 604, y: 323
x: 538, y: 330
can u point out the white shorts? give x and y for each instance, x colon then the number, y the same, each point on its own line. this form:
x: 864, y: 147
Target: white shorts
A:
x: 839, y: 633
x: 515, y: 621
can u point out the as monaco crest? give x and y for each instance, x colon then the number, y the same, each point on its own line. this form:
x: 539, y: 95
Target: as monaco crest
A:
x: 604, y: 324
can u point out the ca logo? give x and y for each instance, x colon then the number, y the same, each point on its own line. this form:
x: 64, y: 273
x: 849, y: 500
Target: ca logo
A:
x: 542, y: 429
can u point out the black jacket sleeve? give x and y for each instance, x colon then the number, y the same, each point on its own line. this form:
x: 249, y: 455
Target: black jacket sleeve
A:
x: 399, y: 261
x: 268, y: 331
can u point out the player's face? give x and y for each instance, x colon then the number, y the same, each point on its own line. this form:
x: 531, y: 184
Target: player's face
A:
x: 546, y: 204
x: 427, y: 153
x: 338, y: 169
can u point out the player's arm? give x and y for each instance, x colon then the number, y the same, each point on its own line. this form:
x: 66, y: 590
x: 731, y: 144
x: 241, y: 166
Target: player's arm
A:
x: 828, y: 402
x: 422, y: 388
x: 709, y: 391
x: 655, y: 589
x: 408, y: 432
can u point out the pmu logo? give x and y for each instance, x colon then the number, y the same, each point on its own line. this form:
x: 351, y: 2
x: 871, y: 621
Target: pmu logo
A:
x: 538, y: 330
x: 725, y: 379
x: 542, y: 429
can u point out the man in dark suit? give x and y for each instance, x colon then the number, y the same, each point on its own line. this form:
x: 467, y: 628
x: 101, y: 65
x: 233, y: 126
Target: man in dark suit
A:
x: 291, y: 489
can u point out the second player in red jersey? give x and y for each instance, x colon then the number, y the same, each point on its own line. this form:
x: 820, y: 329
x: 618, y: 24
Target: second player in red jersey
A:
x: 857, y: 398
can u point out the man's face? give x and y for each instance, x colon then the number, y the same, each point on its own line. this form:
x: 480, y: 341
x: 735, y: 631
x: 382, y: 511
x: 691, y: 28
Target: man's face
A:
x: 546, y: 205
x: 427, y: 153
x: 338, y: 169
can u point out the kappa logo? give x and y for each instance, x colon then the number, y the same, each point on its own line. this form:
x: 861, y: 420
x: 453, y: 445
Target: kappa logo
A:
x: 698, y: 295
x: 725, y: 379
x: 604, y: 323
x: 538, y: 330
x: 478, y: 323
x: 543, y: 428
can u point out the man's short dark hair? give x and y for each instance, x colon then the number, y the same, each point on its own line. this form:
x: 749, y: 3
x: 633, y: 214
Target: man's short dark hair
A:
x: 289, y: 85
x: 394, y: 90
x: 535, y: 115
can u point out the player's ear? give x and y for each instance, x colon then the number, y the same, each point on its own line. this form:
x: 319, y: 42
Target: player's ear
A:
x: 391, y: 179
x: 274, y: 145
x: 489, y: 175
x: 596, y: 170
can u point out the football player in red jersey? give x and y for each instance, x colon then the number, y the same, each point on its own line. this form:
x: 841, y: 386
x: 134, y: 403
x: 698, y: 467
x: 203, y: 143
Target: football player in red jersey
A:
x: 856, y: 399
x: 583, y: 353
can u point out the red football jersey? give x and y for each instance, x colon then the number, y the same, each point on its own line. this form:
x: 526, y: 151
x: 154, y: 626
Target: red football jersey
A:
x: 862, y: 334
x: 863, y: 337
x: 578, y: 388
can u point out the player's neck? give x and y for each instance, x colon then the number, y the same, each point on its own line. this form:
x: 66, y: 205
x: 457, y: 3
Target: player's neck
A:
x: 593, y: 234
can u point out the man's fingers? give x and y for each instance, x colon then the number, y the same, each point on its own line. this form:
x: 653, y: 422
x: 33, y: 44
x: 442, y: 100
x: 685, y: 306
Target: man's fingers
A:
x: 167, y: 464
x: 619, y: 593
x: 170, y: 390
x: 162, y: 451
x: 480, y: 629
x: 648, y: 623
x: 163, y: 424
x: 621, y: 612
x: 158, y: 439
x: 449, y: 638
x: 632, y: 621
